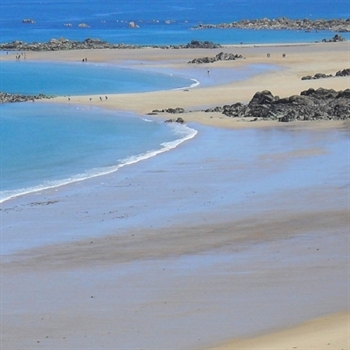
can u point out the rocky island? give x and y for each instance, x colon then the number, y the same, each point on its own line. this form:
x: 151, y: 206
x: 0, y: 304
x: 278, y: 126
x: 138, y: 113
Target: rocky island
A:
x: 66, y: 44
x: 11, y: 98
x: 336, y: 25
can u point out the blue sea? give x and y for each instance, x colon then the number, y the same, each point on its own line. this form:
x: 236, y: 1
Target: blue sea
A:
x: 44, y: 145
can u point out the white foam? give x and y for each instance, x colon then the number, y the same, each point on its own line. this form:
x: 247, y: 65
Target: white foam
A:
x: 185, y: 133
x: 196, y: 83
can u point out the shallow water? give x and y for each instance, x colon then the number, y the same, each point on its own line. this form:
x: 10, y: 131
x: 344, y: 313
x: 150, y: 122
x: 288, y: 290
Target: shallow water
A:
x: 51, y: 78
x: 44, y: 146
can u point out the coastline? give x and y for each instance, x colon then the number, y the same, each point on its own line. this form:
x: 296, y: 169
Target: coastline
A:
x: 284, y: 78
x: 290, y: 214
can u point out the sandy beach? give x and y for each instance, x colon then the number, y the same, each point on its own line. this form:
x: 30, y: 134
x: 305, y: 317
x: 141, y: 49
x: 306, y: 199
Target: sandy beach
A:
x: 237, y: 239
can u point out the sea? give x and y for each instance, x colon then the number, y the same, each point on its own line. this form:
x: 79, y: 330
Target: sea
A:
x: 44, y: 145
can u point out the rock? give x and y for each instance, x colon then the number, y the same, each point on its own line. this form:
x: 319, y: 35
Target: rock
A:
x: 343, y: 73
x: 11, y: 98
x: 195, y: 44
x: 175, y: 110
x: 337, y: 25
x: 65, y: 44
x: 335, y: 39
x: 219, y: 57
x: 28, y: 20
x: 178, y: 120
x: 263, y: 97
x: 133, y: 25
x: 83, y: 25
x: 311, y: 104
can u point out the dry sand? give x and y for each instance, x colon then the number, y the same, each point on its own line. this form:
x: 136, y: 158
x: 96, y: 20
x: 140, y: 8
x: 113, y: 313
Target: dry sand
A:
x: 213, y: 269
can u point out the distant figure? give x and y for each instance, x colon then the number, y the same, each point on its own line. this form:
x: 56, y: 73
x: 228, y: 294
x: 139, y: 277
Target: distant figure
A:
x: 268, y: 55
x: 284, y: 55
x: 90, y: 98
x: 100, y: 98
x: 208, y: 71
x: 83, y: 60
x: 106, y: 97
x: 68, y: 98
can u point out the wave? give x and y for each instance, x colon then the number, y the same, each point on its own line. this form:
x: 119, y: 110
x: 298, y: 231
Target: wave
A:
x: 196, y: 83
x: 184, y: 132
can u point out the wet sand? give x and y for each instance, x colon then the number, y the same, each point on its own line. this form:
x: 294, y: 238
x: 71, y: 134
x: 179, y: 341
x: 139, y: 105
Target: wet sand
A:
x: 235, y: 234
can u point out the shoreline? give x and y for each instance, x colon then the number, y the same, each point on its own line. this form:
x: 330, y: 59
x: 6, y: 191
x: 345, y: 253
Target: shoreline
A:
x: 299, y: 61
x: 117, y: 226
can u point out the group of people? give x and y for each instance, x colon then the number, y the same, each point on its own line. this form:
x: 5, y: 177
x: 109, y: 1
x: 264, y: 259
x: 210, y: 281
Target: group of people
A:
x: 21, y: 55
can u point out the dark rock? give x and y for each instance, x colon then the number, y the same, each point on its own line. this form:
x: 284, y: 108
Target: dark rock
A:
x: 311, y: 104
x: 175, y: 110
x: 65, y: 44
x: 219, y: 57
x: 180, y: 120
x: 11, y: 98
x: 343, y: 73
x: 335, y: 39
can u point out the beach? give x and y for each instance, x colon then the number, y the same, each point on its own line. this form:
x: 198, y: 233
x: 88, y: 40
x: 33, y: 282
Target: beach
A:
x: 236, y: 239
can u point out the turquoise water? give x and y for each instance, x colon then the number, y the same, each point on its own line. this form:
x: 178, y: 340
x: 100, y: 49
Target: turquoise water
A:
x: 81, y: 79
x: 44, y: 146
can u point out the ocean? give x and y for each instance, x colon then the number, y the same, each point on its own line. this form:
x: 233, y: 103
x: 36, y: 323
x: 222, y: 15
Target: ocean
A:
x: 43, y: 147
x: 160, y: 22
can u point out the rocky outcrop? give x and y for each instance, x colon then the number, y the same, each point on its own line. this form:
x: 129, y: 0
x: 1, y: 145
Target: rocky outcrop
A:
x: 341, y: 73
x: 176, y: 110
x: 133, y: 25
x: 177, y: 120
x: 337, y: 38
x: 337, y: 25
x: 65, y: 44
x: 219, y: 57
x: 11, y: 98
x: 311, y: 104
x: 28, y: 20
x: 195, y: 44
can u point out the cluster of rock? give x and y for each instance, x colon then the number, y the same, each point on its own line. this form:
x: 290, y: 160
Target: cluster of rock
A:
x: 169, y: 110
x: 195, y: 44
x: 311, y: 104
x: 219, y: 57
x: 177, y: 120
x: 338, y: 25
x: 5, y: 97
x: 28, y: 20
x: 65, y: 44
x: 336, y: 39
x: 341, y: 73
